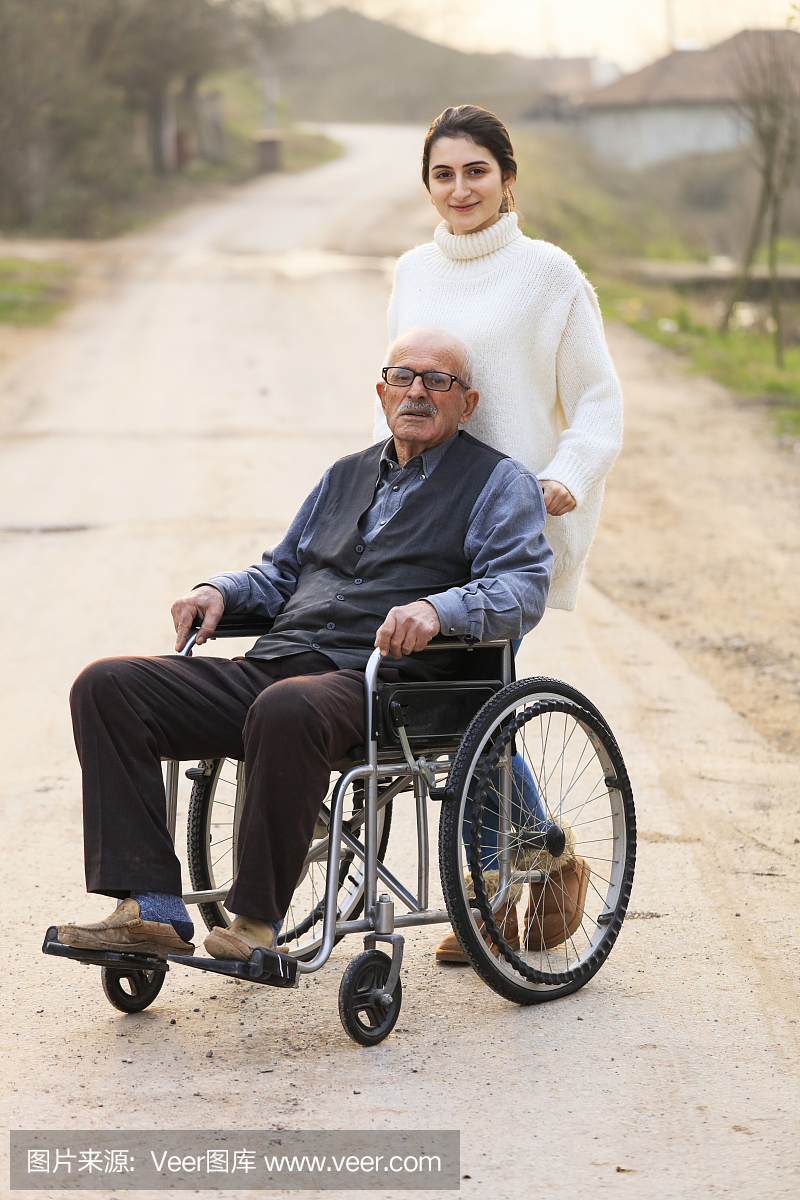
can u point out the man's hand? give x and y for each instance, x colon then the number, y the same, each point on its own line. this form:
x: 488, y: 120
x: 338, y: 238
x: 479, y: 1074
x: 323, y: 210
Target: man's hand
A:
x: 205, y: 602
x: 557, y: 499
x: 407, y: 629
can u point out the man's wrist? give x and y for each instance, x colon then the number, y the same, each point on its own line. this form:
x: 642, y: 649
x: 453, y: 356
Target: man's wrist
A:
x: 438, y: 628
x: 216, y: 588
x: 441, y: 613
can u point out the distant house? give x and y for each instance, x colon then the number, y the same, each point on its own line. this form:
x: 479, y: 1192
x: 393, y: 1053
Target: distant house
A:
x: 686, y: 103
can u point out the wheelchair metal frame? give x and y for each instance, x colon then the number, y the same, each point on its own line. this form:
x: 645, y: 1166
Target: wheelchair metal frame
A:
x: 379, y: 921
x: 371, y: 987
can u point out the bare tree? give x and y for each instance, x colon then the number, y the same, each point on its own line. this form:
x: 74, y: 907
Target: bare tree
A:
x: 767, y: 73
x: 74, y: 75
x: 63, y: 128
x: 155, y: 45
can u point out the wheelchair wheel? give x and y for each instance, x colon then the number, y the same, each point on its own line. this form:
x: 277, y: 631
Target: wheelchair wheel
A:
x: 131, y: 991
x: 363, y: 1016
x: 214, y: 810
x: 538, y: 787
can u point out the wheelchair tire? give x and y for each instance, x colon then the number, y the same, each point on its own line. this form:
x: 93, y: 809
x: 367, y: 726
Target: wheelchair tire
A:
x: 580, y: 777
x: 364, y: 1018
x: 212, y: 818
x: 131, y: 991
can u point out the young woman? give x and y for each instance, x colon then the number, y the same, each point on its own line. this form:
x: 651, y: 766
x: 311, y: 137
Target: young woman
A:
x: 549, y: 397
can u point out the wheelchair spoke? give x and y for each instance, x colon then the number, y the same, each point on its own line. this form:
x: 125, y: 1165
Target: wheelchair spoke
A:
x: 548, y: 939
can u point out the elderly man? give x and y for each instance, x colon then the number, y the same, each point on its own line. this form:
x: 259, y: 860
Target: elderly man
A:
x: 430, y: 531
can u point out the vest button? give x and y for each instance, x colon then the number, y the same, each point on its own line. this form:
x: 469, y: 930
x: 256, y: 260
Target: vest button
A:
x: 359, y: 549
x: 340, y: 597
x: 331, y: 625
x: 315, y: 645
x: 358, y: 581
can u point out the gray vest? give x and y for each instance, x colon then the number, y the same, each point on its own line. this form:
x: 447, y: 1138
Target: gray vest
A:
x: 346, y: 588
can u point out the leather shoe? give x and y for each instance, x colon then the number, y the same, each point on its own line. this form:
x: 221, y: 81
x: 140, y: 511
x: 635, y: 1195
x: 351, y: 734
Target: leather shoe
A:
x: 243, y: 936
x: 125, y: 932
x: 555, y: 907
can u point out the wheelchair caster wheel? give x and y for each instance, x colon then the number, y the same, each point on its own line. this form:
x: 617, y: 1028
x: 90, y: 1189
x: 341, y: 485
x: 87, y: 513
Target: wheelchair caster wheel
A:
x: 368, y: 1013
x: 131, y: 991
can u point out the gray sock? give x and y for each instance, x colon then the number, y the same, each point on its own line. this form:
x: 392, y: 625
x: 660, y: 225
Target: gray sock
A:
x: 167, y: 909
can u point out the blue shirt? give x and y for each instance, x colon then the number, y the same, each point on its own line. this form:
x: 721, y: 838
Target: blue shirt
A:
x: 395, y: 483
x: 510, y: 557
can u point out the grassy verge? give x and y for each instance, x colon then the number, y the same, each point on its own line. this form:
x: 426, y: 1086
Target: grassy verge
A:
x: 32, y: 293
x: 741, y: 359
x: 302, y: 150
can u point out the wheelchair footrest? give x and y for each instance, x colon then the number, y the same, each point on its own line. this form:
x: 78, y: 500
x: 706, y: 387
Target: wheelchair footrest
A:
x: 263, y: 966
x: 101, y: 958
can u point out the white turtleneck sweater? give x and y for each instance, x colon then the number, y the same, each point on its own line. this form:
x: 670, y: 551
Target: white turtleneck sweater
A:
x: 549, y: 395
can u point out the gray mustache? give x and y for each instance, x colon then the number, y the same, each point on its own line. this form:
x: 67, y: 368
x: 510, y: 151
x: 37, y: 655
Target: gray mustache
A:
x: 417, y: 406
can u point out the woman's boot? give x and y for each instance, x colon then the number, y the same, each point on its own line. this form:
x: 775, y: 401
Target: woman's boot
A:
x: 449, y: 949
x: 555, y: 906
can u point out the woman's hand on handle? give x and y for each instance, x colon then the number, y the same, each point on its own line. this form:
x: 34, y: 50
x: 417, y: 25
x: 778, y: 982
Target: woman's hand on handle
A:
x: 407, y: 629
x: 557, y: 499
x: 205, y: 602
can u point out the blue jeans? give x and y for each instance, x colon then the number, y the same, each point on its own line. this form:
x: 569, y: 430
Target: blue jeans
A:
x: 526, y: 810
x: 526, y: 806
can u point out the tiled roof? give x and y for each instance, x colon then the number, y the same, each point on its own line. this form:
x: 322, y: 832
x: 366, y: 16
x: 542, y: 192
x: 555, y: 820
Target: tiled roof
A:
x: 693, y: 76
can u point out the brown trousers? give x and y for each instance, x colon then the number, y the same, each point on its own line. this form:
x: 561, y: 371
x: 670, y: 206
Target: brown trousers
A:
x: 288, y: 718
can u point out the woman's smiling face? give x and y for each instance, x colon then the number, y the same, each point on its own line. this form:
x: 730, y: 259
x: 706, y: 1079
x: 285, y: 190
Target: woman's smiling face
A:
x: 466, y: 184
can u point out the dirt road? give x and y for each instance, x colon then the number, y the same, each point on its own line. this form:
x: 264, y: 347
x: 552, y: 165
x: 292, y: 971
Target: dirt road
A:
x: 169, y: 427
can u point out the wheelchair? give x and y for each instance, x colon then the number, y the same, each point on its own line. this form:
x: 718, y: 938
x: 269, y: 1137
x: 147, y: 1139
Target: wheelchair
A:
x: 527, y: 776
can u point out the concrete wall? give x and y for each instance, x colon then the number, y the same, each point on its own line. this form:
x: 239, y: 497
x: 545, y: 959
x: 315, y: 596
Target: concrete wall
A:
x: 652, y: 133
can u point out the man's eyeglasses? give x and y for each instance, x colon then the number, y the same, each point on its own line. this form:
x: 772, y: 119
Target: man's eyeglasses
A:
x: 434, y: 381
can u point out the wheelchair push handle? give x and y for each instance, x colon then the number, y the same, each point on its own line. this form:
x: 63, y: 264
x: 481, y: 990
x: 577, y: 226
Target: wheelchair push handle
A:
x: 187, y: 649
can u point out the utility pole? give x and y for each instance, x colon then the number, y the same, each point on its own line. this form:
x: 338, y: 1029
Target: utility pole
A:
x: 669, y: 14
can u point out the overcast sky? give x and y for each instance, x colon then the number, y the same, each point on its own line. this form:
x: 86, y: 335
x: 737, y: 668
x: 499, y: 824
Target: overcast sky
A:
x: 628, y: 32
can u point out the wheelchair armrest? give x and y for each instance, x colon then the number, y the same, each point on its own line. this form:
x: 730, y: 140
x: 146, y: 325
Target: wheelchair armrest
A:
x: 240, y: 626
x: 456, y: 642
x: 452, y: 641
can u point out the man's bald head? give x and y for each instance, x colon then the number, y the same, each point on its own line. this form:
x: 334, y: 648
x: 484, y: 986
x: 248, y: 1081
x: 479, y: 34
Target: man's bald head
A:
x: 427, y: 337
x: 419, y: 415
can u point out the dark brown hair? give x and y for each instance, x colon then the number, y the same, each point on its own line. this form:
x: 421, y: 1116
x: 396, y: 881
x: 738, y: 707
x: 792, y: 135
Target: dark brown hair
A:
x: 484, y: 129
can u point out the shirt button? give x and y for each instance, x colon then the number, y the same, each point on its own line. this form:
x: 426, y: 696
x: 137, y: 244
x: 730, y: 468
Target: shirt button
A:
x: 340, y: 597
x: 396, y: 486
x: 331, y: 625
x: 315, y: 645
x: 423, y: 476
x: 359, y: 549
x: 358, y: 581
